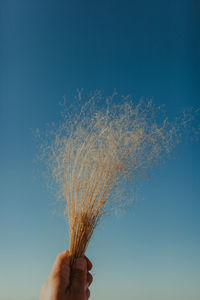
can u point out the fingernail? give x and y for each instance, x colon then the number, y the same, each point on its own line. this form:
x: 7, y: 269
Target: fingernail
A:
x: 79, y: 264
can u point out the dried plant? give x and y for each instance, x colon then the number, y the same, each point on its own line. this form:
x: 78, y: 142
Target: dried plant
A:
x: 95, y: 151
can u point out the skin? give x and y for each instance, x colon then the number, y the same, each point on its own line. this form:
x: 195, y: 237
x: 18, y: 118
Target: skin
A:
x: 57, y: 285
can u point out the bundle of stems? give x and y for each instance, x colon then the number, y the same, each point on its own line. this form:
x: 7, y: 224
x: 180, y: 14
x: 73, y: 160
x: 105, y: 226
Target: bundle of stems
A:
x: 95, y: 152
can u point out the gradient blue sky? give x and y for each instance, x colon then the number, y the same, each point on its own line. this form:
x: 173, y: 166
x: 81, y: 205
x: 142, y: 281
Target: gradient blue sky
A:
x: 147, y: 48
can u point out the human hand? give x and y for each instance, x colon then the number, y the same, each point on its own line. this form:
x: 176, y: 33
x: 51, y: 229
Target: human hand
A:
x: 56, y: 286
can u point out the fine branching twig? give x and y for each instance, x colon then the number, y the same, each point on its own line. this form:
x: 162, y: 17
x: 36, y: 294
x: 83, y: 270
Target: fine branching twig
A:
x: 95, y: 151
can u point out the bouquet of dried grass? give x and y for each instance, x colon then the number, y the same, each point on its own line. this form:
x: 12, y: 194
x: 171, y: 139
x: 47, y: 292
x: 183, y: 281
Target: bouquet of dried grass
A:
x: 95, y: 152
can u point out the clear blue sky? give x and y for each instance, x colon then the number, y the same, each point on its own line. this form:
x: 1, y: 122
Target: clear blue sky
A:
x: 147, y: 48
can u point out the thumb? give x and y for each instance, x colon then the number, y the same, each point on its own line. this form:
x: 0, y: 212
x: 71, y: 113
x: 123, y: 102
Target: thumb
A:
x: 79, y: 276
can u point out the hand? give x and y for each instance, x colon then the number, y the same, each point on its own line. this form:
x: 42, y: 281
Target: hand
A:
x: 56, y: 286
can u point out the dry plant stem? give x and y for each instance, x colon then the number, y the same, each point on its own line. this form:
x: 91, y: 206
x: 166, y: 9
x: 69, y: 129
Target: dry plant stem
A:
x: 94, y: 154
x: 83, y: 219
x: 82, y: 225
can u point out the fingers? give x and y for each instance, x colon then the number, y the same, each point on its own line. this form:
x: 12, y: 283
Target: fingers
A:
x: 89, y: 279
x: 89, y: 264
x: 79, y: 276
x: 88, y: 293
x: 80, y: 279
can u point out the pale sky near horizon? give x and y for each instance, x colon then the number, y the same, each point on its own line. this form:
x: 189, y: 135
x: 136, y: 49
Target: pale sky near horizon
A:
x: 147, y: 48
